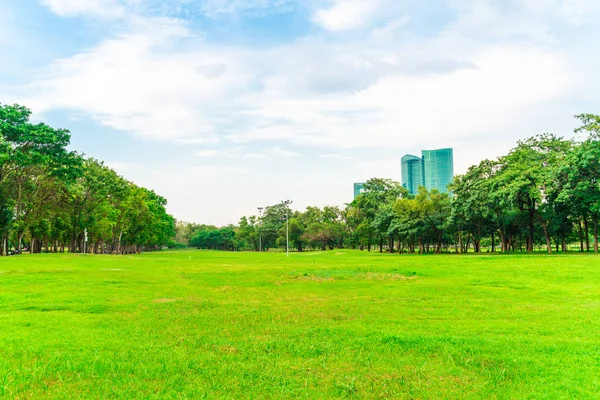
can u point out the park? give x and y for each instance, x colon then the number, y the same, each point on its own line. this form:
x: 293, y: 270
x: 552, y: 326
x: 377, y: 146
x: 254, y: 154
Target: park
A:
x: 321, y: 324
x: 291, y: 199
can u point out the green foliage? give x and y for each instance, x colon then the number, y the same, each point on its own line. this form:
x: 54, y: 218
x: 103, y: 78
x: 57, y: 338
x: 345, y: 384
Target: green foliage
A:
x: 544, y: 192
x: 209, y: 237
x: 51, y: 197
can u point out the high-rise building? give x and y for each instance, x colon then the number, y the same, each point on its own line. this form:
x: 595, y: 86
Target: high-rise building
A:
x: 358, y: 188
x: 412, y: 173
x: 434, y: 170
x: 438, y: 169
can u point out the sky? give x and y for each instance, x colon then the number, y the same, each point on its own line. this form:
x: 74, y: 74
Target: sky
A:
x: 223, y: 106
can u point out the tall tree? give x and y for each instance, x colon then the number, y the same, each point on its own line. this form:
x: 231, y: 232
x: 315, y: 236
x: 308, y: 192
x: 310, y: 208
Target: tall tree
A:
x: 583, y: 169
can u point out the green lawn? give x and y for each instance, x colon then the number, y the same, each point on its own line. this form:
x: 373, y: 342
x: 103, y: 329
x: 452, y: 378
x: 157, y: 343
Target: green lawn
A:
x: 317, y: 325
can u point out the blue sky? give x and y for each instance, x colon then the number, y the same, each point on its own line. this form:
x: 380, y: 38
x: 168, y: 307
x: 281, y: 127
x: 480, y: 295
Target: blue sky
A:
x: 226, y: 105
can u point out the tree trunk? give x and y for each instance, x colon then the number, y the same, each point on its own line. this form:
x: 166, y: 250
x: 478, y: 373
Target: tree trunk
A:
x: 546, y: 234
x: 580, y: 236
x: 587, y: 234
x: 595, y: 219
x: 548, y: 239
x: 20, y: 240
x: 477, y: 245
x: 531, y: 228
x: 493, y: 241
x: 467, y: 244
x: 504, y: 240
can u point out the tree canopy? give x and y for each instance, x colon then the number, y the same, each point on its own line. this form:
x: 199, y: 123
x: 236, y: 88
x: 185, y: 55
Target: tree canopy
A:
x: 52, y: 199
x: 543, y: 194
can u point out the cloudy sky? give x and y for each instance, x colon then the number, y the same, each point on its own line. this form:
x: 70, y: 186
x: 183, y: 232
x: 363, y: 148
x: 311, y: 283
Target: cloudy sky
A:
x: 225, y: 105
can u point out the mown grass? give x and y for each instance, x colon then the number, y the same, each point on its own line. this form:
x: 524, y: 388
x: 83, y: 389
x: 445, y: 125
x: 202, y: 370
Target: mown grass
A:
x: 336, y: 324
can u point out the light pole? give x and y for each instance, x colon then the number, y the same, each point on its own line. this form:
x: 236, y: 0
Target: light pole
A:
x: 85, y: 237
x: 287, y: 203
x: 260, y: 210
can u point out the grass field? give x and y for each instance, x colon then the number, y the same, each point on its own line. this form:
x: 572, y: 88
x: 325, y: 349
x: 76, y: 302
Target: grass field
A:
x: 317, y: 325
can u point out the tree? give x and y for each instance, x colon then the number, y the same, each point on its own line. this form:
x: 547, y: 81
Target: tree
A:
x: 473, y: 206
x: 376, y: 204
x: 528, y: 178
x: 583, y: 173
x: 433, y: 207
x: 50, y: 195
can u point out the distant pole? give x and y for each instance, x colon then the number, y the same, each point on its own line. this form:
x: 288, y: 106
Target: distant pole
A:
x: 287, y: 203
x: 85, y: 241
x: 260, y: 210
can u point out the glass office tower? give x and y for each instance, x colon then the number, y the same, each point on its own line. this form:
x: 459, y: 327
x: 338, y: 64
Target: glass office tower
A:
x: 358, y: 188
x: 412, y: 173
x: 438, y: 169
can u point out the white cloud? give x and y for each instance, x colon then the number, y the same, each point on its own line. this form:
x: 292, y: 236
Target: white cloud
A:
x: 136, y: 83
x: 161, y: 81
x: 574, y: 12
x: 209, y: 153
x: 496, y: 73
x: 75, y: 8
x: 335, y: 156
x: 278, y: 151
x: 390, y: 29
x: 215, y: 7
x: 245, y: 153
x: 345, y: 15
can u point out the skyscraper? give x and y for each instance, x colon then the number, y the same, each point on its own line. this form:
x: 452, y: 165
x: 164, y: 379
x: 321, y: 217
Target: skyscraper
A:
x: 438, y: 169
x: 412, y: 173
x: 434, y: 170
x: 358, y: 188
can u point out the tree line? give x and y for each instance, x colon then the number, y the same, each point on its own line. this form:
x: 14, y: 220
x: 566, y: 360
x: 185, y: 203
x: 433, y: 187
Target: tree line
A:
x: 544, y: 194
x: 56, y: 200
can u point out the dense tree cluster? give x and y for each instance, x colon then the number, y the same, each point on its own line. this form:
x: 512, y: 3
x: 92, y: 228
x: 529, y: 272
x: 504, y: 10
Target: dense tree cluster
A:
x: 544, y: 194
x: 53, y: 199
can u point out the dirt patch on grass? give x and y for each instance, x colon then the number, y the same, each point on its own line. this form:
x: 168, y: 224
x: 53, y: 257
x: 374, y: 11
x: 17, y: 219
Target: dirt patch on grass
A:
x: 228, y: 349
x: 163, y: 300
x: 387, y: 277
x: 314, y: 278
x: 351, y: 276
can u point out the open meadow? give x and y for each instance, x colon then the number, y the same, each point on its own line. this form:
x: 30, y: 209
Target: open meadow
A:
x: 195, y: 324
